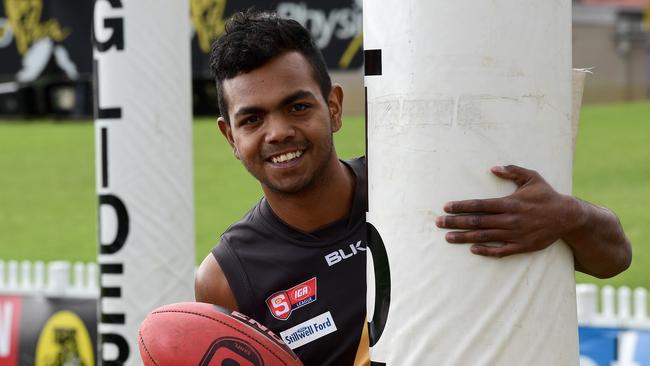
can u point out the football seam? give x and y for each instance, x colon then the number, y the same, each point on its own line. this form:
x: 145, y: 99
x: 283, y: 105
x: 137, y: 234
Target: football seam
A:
x: 226, y: 324
x: 146, y: 349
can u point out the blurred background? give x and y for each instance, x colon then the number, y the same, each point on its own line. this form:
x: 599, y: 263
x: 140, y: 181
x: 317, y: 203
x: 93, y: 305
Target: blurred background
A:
x: 47, y: 184
x: 48, y: 202
x: 46, y: 67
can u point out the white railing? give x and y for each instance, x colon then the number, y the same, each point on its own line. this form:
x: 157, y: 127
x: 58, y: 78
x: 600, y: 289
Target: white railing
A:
x: 57, y: 278
x: 605, y: 307
x: 621, y: 308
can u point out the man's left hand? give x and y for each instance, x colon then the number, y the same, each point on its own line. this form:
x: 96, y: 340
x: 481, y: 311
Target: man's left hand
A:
x: 530, y: 219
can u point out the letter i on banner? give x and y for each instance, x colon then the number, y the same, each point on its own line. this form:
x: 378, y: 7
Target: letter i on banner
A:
x: 454, y: 88
x: 144, y: 166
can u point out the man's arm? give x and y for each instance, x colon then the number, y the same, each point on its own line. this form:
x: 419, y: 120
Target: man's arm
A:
x: 534, y: 217
x: 600, y: 247
x: 211, y: 285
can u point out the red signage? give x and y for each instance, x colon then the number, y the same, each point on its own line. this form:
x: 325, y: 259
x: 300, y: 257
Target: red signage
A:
x: 10, y: 307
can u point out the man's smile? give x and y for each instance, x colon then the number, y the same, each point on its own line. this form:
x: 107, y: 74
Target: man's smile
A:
x: 285, y: 157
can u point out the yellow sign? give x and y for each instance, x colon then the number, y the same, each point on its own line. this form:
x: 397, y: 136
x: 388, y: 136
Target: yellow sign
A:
x: 24, y: 18
x: 646, y: 18
x: 207, y: 18
x: 64, y: 340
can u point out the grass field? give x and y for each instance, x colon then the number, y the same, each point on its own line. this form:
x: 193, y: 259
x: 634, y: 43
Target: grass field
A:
x: 612, y: 168
x: 48, y: 202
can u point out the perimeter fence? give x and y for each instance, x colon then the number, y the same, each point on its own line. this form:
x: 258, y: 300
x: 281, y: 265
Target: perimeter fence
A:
x: 62, y: 297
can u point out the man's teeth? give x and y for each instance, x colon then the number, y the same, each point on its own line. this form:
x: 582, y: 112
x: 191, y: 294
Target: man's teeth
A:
x: 286, y: 157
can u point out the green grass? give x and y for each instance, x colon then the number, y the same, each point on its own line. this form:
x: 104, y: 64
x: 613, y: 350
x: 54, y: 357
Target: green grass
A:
x: 612, y: 168
x: 48, y: 202
x: 47, y: 191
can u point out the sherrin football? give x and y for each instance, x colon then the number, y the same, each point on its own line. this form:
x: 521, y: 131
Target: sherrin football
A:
x: 199, y: 334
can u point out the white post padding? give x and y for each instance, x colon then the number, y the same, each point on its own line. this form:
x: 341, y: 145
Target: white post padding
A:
x: 464, y: 86
x: 144, y: 166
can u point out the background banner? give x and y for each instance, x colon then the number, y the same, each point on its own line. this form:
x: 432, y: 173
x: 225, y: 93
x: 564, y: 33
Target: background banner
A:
x: 614, y: 347
x: 45, y: 331
x: 46, y: 53
x: 52, y: 38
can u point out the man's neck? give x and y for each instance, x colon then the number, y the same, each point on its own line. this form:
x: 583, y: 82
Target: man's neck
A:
x: 324, y: 203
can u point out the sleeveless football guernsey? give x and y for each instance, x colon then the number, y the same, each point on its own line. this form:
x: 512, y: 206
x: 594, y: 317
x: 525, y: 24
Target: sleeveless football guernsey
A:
x: 309, y: 288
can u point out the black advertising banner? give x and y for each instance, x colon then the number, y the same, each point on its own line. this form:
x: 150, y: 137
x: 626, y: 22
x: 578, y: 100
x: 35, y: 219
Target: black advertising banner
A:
x: 335, y: 25
x: 43, y: 38
x: 43, y: 331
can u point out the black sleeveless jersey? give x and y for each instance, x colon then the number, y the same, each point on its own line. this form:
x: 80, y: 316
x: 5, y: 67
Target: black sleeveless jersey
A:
x: 309, y: 288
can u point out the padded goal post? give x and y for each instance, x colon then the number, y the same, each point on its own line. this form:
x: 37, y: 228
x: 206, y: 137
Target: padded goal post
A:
x: 454, y: 88
x: 144, y: 166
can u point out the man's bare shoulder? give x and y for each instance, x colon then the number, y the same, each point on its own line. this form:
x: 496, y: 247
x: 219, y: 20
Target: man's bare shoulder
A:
x: 211, y: 285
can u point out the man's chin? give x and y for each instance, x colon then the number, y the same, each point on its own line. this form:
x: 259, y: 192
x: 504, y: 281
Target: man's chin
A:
x: 288, y: 187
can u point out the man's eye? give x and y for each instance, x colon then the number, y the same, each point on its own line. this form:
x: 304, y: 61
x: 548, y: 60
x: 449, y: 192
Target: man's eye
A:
x: 299, y: 107
x: 249, y: 120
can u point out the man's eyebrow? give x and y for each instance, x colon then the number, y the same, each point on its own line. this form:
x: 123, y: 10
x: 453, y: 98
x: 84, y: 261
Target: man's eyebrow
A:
x: 249, y: 110
x: 300, y: 94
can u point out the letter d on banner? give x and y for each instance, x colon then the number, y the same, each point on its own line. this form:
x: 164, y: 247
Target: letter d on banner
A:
x: 144, y: 166
x: 454, y: 88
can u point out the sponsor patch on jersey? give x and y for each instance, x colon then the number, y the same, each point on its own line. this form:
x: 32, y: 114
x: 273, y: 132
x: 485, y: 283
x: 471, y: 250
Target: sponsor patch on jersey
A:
x: 309, y: 331
x: 283, y: 303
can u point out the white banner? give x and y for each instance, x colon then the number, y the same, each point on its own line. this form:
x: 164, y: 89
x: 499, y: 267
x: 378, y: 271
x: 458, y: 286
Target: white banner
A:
x: 144, y: 166
x: 454, y: 88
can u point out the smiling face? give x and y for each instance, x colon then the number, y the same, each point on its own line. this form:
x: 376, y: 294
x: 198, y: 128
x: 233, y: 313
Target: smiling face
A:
x: 280, y: 124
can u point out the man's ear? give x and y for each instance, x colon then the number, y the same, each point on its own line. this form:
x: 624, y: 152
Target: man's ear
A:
x: 226, y: 131
x: 335, y: 104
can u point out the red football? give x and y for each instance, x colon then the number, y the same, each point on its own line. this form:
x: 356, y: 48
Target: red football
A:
x: 199, y: 334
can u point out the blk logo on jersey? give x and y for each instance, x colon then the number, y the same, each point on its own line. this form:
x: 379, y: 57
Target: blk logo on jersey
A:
x: 345, y: 253
x: 283, y: 303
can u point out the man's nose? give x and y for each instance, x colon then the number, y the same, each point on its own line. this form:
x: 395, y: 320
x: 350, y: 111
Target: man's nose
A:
x: 278, y: 129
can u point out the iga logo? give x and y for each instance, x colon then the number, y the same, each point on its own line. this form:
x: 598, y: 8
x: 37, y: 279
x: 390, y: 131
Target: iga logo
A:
x: 282, y: 303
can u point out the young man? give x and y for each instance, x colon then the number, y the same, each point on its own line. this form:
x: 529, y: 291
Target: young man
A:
x: 278, y: 112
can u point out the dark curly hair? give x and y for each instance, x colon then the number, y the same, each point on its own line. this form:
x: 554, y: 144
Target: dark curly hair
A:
x: 253, y: 38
